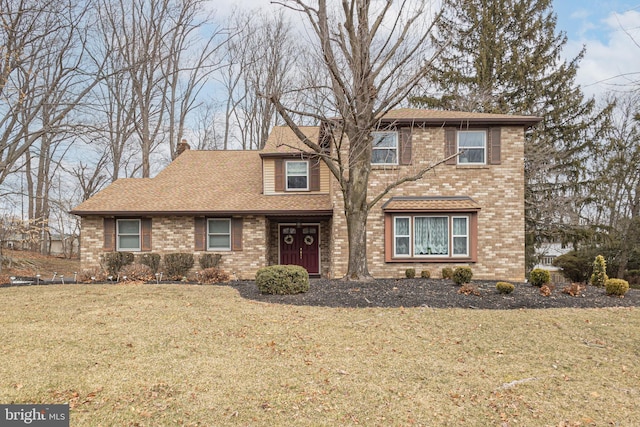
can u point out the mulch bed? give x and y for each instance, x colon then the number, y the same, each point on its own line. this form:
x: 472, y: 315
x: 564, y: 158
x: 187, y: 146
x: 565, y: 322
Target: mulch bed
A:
x: 436, y: 293
x: 432, y: 293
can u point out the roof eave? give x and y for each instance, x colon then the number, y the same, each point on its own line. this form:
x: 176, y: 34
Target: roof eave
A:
x: 479, y: 121
x: 274, y: 212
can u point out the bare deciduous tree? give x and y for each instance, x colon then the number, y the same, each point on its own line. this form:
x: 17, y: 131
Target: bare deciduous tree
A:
x: 372, y: 55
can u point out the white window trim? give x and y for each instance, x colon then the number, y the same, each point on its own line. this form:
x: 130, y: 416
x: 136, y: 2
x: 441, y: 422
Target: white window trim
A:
x: 484, y: 147
x: 450, y: 217
x: 286, y: 175
x: 395, y: 236
x: 118, y: 234
x: 209, y: 233
x: 373, y: 134
x: 453, y: 235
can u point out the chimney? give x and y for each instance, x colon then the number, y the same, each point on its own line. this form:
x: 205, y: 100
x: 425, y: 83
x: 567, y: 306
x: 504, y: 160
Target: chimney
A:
x: 182, y: 147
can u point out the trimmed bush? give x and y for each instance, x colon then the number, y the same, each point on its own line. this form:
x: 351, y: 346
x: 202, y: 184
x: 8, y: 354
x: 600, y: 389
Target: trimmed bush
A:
x: 282, y: 279
x: 213, y: 275
x: 112, y: 262
x: 504, y: 287
x: 209, y: 261
x: 150, y: 260
x: 425, y: 274
x: 462, y: 275
x: 539, y: 277
x: 447, y: 273
x: 177, y: 265
x: 616, y: 287
x: 136, y: 273
x: 599, y: 275
x: 95, y: 274
x: 410, y: 273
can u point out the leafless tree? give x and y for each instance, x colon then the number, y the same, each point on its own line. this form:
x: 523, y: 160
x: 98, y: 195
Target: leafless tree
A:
x: 372, y: 54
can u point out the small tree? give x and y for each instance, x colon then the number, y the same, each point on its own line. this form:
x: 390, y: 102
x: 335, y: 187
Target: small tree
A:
x: 599, y: 275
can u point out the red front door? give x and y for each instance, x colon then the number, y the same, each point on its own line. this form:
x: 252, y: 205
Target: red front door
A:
x: 299, y: 246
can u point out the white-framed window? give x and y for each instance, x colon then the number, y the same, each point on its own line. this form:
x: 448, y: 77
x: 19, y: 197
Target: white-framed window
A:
x: 431, y: 236
x: 128, y: 234
x: 219, y: 234
x: 402, y: 236
x: 473, y: 145
x: 385, y: 148
x: 297, y: 175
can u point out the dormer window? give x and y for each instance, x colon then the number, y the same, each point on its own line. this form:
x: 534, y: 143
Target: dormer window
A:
x: 297, y: 175
x: 385, y: 148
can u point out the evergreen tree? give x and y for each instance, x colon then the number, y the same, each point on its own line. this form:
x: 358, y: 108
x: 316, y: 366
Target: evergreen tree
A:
x: 504, y: 56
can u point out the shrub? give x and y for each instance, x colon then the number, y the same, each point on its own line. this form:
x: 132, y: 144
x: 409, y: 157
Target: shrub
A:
x: 137, y: 273
x: 447, y: 273
x: 545, y: 290
x: 425, y: 274
x: 150, y: 260
x: 112, y: 262
x: 213, y: 275
x: 462, y: 275
x: 575, y: 266
x: 282, y: 279
x: 539, y: 277
x: 574, y: 289
x: 410, y: 273
x: 95, y: 274
x: 599, y: 275
x: 468, y: 289
x: 633, y: 277
x: 504, y: 287
x: 209, y: 261
x: 177, y: 265
x: 616, y: 287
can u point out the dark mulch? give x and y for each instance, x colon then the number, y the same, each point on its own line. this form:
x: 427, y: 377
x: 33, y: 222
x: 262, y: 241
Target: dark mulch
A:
x: 435, y: 293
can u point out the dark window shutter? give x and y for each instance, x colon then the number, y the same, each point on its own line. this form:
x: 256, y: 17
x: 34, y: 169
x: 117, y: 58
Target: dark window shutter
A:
x: 494, y: 145
x: 109, y: 227
x: 314, y: 174
x: 200, y: 232
x: 279, y: 175
x: 236, y: 234
x: 404, y: 156
x: 146, y: 234
x: 450, y: 146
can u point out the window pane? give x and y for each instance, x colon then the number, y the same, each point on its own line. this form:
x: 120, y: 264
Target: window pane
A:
x: 129, y: 242
x: 402, y: 226
x: 383, y: 156
x: 128, y: 226
x: 460, y: 246
x: 472, y: 155
x: 471, y: 139
x: 385, y: 139
x: 460, y: 226
x: 296, y: 168
x: 219, y: 226
x: 402, y: 245
x: 431, y: 236
x: 223, y: 242
x: 296, y: 182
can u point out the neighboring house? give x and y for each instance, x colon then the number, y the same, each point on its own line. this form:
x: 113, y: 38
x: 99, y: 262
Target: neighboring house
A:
x: 546, y: 253
x: 278, y: 206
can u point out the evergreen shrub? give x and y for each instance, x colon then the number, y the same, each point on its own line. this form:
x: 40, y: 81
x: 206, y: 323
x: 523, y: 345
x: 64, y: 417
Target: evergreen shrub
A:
x: 539, y: 277
x: 462, y: 275
x: 447, y: 273
x: 504, y: 287
x: 410, y: 273
x: 616, y: 287
x: 177, y: 265
x: 282, y: 279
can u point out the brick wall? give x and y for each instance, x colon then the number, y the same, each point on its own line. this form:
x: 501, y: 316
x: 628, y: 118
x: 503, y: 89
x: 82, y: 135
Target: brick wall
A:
x: 498, y: 189
x: 176, y: 234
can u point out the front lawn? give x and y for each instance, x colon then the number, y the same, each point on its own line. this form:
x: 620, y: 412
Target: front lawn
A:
x: 154, y: 355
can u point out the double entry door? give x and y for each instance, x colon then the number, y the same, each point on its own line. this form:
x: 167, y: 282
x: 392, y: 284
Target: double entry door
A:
x: 299, y: 245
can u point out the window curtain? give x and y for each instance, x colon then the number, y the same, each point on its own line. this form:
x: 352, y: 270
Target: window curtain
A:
x: 431, y: 236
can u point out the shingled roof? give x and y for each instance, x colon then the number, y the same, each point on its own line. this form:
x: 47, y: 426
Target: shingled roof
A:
x: 201, y: 182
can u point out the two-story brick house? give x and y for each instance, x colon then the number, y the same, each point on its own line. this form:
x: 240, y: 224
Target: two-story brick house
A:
x: 281, y: 206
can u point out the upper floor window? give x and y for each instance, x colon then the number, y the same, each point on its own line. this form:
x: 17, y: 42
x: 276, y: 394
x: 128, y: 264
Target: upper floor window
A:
x: 297, y: 175
x: 128, y: 234
x: 385, y: 148
x: 473, y: 146
x: 219, y: 234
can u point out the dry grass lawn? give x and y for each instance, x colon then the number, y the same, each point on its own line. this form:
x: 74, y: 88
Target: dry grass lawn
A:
x: 145, y: 355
